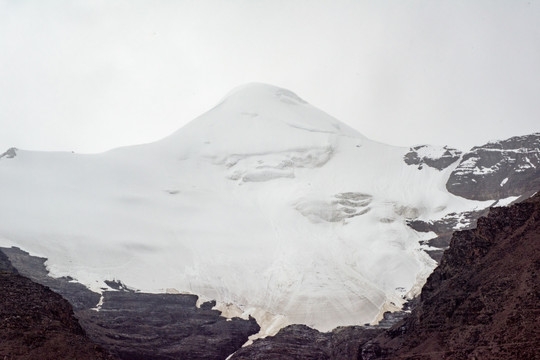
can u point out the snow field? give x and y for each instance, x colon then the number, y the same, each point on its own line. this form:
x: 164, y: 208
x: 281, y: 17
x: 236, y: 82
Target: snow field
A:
x: 265, y: 204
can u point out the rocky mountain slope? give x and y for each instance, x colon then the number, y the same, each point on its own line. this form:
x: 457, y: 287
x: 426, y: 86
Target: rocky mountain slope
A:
x: 302, y: 342
x: 483, y: 300
x: 128, y: 324
x: 498, y: 169
x: 36, y: 323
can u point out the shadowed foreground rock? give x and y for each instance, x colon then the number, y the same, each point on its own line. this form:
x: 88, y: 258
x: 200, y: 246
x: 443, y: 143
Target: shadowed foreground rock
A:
x: 36, y: 323
x: 138, y: 326
x: 303, y: 342
x: 33, y: 267
x: 483, y: 300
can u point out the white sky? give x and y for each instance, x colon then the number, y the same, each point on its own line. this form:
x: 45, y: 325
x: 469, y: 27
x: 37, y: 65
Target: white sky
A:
x: 96, y: 74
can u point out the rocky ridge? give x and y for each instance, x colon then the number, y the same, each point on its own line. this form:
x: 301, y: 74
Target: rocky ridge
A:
x: 498, y: 169
x: 444, y: 229
x: 437, y: 158
x: 495, y: 171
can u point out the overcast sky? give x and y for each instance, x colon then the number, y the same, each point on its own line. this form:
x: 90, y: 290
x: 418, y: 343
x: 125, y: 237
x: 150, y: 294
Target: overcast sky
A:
x: 93, y: 75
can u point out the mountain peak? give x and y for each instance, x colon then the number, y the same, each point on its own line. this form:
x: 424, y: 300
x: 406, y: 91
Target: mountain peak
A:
x: 261, y: 118
x: 263, y: 92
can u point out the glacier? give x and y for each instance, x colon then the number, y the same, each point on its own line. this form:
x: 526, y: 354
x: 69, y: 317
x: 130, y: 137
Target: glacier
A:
x: 264, y: 203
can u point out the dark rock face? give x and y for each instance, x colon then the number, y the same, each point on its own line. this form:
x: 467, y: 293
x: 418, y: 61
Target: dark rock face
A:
x: 415, y: 157
x: 482, y: 301
x: 136, y: 326
x: 163, y: 326
x: 33, y: 267
x: 303, y: 342
x: 498, y: 170
x: 36, y: 323
x: 444, y: 228
x: 5, y: 264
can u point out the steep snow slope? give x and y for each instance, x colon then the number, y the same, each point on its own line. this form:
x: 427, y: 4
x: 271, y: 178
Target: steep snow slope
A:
x: 264, y: 202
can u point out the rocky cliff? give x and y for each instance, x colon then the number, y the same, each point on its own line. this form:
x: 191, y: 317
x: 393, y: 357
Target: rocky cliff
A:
x: 138, y: 326
x: 498, y: 169
x: 303, y: 342
x: 434, y: 157
x: 482, y: 301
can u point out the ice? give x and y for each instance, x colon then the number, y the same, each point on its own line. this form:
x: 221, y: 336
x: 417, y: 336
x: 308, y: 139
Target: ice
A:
x: 506, y: 201
x: 264, y: 202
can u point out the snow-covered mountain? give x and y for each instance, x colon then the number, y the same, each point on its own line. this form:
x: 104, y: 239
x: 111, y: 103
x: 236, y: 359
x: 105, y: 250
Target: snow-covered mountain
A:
x: 265, y: 203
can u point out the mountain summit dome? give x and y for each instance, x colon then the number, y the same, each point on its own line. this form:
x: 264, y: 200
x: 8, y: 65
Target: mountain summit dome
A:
x: 259, y: 91
x: 261, y: 118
